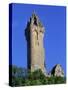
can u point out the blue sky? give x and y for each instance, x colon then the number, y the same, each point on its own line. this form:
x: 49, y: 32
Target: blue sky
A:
x: 53, y: 19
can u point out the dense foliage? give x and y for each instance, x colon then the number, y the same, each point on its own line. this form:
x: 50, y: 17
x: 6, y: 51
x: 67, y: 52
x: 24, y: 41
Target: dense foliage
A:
x: 23, y: 77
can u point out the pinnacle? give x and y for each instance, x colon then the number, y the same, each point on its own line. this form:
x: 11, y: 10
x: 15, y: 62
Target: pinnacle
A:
x: 34, y: 15
x: 35, y: 20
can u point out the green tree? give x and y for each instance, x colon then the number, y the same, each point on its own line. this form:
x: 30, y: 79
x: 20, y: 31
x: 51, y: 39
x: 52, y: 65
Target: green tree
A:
x: 24, y: 77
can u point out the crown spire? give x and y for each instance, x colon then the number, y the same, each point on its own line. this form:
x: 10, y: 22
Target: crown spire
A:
x: 35, y: 20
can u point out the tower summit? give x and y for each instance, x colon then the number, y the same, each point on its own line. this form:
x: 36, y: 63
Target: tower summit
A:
x: 35, y: 48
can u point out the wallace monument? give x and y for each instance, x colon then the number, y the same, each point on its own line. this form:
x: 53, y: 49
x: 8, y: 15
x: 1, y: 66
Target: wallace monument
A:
x: 34, y: 33
x: 37, y: 44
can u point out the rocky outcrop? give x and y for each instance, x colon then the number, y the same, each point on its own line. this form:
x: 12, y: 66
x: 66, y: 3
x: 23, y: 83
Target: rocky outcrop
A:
x: 57, y: 71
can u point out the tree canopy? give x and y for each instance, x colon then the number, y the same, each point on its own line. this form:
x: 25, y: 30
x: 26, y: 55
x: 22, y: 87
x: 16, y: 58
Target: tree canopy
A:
x: 24, y: 77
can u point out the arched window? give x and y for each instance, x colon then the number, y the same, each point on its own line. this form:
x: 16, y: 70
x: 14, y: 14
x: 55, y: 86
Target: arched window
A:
x: 35, y: 21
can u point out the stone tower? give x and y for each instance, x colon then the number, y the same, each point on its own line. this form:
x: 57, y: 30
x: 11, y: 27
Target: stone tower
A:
x: 35, y: 50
